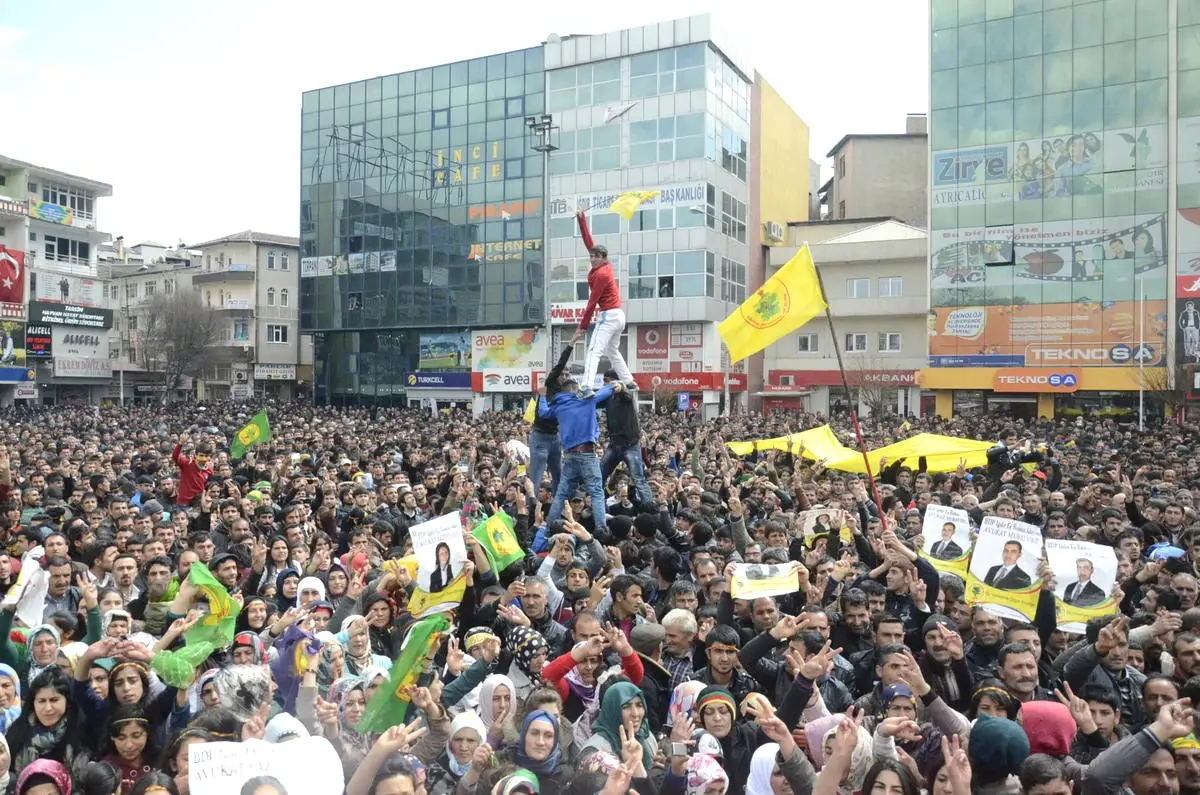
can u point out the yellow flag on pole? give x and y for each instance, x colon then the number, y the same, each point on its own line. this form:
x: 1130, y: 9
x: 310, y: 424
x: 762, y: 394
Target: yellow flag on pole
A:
x: 787, y: 301
x: 626, y: 204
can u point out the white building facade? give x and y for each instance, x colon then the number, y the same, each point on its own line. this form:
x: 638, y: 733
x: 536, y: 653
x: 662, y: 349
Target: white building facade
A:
x: 53, y: 318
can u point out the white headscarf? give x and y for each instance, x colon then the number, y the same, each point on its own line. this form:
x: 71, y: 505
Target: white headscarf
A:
x: 485, y: 695
x: 285, y: 727
x: 310, y: 584
x: 464, y: 720
x: 762, y: 764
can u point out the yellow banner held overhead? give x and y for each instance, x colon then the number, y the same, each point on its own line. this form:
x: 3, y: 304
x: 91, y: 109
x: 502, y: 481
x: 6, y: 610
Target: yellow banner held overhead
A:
x: 752, y: 580
x: 787, y: 301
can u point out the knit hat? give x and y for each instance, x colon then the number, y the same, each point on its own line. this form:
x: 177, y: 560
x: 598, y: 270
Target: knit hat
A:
x: 715, y: 694
x: 997, y: 748
x: 936, y: 620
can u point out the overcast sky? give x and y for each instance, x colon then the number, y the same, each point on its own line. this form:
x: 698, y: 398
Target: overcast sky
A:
x: 191, y: 110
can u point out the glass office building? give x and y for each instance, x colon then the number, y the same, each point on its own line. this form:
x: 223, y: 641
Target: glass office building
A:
x: 421, y: 208
x: 1063, y: 166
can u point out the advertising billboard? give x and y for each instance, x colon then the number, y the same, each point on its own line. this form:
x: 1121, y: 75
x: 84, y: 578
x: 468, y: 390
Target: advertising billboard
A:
x: 670, y: 348
x: 1084, y: 291
x: 59, y: 289
x: 70, y: 315
x: 445, y: 351
x: 80, y: 353
x: 38, y: 341
x: 507, y: 359
x: 438, y: 380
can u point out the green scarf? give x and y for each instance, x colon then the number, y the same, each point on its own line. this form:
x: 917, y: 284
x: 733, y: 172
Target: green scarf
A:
x: 608, y: 722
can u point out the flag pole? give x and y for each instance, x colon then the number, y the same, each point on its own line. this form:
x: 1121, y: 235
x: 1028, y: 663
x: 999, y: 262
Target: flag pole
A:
x: 858, y: 436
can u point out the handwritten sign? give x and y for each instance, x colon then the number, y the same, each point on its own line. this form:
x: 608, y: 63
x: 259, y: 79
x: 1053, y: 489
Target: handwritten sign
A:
x: 308, y: 766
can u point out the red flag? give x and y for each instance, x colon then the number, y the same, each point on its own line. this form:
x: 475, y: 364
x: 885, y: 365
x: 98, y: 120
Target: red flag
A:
x: 12, y: 276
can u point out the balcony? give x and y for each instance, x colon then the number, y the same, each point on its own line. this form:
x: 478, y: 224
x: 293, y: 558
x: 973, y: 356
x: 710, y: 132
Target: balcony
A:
x: 59, y: 214
x: 13, y: 208
x: 240, y: 306
x: 234, y: 273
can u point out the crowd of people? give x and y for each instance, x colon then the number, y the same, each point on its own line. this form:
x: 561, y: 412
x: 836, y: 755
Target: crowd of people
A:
x: 611, y: 658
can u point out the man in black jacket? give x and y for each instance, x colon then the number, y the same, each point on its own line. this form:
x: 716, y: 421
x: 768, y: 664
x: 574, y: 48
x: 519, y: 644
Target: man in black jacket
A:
x: 624, y: 440
x: 1008, y: 455
x: 545, y: 448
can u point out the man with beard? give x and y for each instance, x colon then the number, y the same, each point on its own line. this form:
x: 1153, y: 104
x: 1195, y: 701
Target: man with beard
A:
x: 888, y: 631
x: 944, y: 665
x: 152, y: 604
x: 1187, y: 763
x: 1048, y: 676
x: 721, y: 648
x: 1103, y: 662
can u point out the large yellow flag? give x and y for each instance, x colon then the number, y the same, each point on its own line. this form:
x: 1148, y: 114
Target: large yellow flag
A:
x: 626, y: 204
x: 788, y: 300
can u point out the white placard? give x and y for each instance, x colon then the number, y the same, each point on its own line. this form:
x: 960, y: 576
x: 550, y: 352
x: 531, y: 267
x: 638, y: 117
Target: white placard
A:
x: 946, y: 531
x: 1006, y: 558
x: 307, y: 766
x: 1084, y: 574
x: 440, y: 551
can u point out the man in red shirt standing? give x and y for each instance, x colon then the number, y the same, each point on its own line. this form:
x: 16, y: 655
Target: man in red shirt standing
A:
x: 604, y: 300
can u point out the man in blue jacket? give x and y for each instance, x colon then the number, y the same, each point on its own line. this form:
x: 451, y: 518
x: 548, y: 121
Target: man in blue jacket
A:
x: 578, y: 431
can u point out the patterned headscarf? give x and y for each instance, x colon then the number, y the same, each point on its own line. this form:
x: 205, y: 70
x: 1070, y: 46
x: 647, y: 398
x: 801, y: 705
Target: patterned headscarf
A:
x: 34, y: 667
x: 55, y: 771
x: 860, y: 758
x: 13, y: 712
x: 244, y: 689
x: 525, y: 644
x: 252, y: 640
x: 703, y: 770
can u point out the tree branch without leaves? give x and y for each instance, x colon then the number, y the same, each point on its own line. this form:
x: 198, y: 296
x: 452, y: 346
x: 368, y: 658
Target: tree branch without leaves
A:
x: 177, y: 332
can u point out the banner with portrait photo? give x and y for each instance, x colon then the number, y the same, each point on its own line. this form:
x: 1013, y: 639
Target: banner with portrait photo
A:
x: 819, y: 521
x: 947, y: 535
x: 752, y: 580
x: 1003, y: 575
x: 441, y: 554
x: 1084, y: 576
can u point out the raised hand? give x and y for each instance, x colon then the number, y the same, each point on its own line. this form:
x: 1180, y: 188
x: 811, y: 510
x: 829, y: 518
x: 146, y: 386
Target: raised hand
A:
x: 952, y: 640
x: 618, y: 641
x: 957, y: 765
x: 87, y: 590
x: 1174, y: 720
x: 912, y: 674
x: 902, y: 729
x: 1079, y: 709
x: 846, y: 738
x: 401, y: 738
x: 1111, y: 635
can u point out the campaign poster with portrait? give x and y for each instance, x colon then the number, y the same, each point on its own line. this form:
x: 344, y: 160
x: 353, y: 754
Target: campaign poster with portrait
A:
x: 441, y: 555
x: 1003, y: 575
x: 1084, y: 577
x: 947, y: 538
x: 820, y: 521
x: 752, y: 580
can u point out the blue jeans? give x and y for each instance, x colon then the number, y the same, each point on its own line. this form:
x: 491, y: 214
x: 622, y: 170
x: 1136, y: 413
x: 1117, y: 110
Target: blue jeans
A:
x: 580, y: 470
x: 545, y: 452
x: 632, y: 456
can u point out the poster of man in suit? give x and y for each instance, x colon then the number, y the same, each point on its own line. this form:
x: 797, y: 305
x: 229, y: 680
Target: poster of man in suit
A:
x: 1005, y: 568
x: 1084, y: 577
x: 946, y: 537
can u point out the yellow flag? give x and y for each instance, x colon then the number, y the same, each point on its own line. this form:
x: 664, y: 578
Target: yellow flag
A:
x: 531, y: 410
x: 788, y: 300
x: 626, y: 204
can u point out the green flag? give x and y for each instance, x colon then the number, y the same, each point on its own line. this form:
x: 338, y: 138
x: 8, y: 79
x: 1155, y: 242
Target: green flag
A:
x: 498, y: 538
x: 257, y: 430
x: 389, y: 706
x: 215, y: 628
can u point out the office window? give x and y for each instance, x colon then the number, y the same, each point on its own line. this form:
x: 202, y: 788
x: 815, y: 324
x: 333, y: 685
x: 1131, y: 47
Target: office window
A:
x: 131, y: 289
x: 64, y: 249
x: 114, y: 292
x: 241, y: 330
x: 667, y: 71
x: 734, y: 154
x: 665, y: 140
x: 733, y: 281
x: 283, y: 297
x: 891, y: 286
x: 283, y: 261
x: 676, y: 274
x: 889, y: 342
x: 270, y: 296
x: 733, y: 218
x: 592, y: 149
x: 584, y: 86
x: 270, y: 260
x: 666, y: 218
x: 806, y: 343
x: 858, y: 288
x: 601, y: 223
x: 277, y: 332
x: 855, y: 341
x: 150, y: 288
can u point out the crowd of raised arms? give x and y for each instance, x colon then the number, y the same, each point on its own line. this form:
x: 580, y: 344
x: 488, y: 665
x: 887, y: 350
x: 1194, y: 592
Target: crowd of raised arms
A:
x: 611, y: 657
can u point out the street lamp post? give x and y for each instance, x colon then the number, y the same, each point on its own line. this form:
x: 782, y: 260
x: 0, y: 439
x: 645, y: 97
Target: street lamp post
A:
x: 542, y: 129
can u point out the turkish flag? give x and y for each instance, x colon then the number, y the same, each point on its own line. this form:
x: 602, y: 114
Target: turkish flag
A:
x: 12, y: 276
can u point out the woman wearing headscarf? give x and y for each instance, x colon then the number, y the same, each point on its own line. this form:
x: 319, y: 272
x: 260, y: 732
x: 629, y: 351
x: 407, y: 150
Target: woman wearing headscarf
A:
x: 695, y: 774
x: 286, y: 583
x: 780, y: 768
x: 349, y: 698
x: 50, y: 726
x: 10, y: 698
x: 530, y: 651
x: 623, y: 707
x: 849, y: 751
x: 42, y: 644
x: 255, y: 615
x: 7, y: 779
x: 497, y: 707
x: 574, y: 674
x: 539, y: 750
x: 332, y: 665
x: 309, y: 590
x: 355, y: 638
x: 42, y: 772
